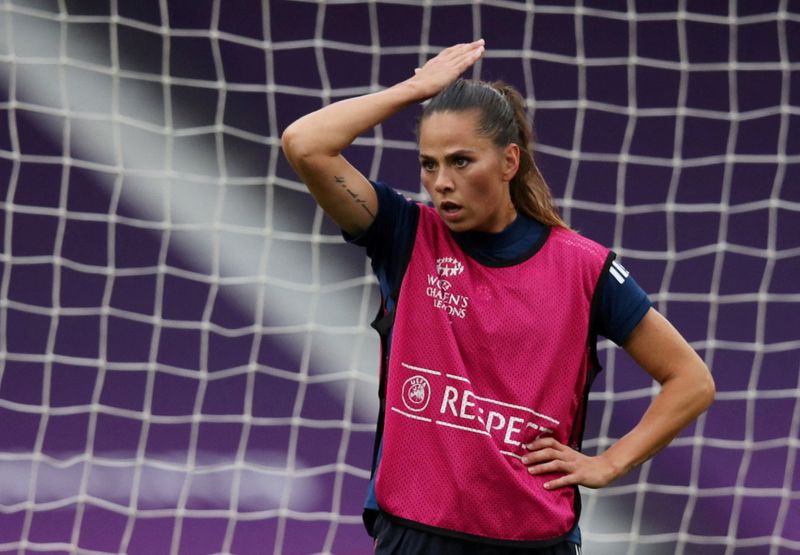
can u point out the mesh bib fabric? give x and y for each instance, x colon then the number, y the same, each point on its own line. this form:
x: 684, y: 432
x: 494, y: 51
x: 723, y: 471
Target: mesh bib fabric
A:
x: 483, y: 360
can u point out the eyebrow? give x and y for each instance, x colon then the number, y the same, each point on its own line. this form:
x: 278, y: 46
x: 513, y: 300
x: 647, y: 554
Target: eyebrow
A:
x: 460, y: 153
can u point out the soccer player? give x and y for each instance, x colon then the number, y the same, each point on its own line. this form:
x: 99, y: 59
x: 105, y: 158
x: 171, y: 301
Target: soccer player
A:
x: 491, y: 310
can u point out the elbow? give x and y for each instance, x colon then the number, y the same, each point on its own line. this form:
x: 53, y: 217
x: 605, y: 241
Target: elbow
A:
x: 706, y: 390
x: 695, y: 385
x: 303, y: 150
x: 293, y: 145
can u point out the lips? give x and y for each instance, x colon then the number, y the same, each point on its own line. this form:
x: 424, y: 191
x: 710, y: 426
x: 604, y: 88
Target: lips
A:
x: 450, y: 211
x: 449, y: 206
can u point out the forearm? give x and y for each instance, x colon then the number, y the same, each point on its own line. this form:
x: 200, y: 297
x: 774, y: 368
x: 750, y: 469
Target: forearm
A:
x: 313, y: 144
x: 329, y: 130
x: 681, y: 400
x: 687, y: 389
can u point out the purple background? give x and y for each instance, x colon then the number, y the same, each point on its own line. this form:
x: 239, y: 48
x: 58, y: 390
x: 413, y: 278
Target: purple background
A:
x: 144, y: 409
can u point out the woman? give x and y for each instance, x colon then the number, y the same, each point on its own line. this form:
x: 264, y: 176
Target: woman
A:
x: 491, y: 309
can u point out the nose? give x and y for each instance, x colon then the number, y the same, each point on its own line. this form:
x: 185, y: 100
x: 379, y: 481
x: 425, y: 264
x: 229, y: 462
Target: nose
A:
x: 443, y: 183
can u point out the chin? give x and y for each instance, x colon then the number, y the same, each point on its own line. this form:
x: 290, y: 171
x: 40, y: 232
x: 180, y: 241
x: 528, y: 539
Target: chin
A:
x: 457, y: 226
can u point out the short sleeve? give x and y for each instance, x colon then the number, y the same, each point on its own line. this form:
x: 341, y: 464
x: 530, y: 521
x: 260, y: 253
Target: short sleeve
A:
x: 623, y: 305
x: 390, y: 236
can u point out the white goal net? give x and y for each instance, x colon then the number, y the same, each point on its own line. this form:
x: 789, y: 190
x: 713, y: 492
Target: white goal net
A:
x: 186, y: 363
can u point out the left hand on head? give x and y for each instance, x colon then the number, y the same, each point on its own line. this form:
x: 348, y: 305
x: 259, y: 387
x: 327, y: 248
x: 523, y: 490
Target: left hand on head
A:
x: 548, y: 456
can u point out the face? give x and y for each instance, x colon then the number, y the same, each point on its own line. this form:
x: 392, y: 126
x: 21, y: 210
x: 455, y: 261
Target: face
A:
x: 466, y: 174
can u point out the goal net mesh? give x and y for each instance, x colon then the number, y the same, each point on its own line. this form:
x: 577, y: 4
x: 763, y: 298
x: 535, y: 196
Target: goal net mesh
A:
x: 186, y: 363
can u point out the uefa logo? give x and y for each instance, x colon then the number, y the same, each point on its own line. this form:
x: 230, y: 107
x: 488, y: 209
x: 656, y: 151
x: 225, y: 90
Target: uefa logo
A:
x: 416, y: 393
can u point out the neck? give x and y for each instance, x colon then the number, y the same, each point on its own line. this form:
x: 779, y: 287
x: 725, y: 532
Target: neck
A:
x: 502, y: 222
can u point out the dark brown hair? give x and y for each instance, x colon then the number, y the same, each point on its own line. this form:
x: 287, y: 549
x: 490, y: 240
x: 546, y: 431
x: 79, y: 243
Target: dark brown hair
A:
x: 504, y: 120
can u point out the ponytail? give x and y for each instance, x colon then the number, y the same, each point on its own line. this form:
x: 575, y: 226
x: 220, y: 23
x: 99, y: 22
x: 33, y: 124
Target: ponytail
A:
x: 529, y: 191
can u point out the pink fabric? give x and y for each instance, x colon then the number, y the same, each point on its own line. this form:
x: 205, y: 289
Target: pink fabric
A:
x: 483, y: 360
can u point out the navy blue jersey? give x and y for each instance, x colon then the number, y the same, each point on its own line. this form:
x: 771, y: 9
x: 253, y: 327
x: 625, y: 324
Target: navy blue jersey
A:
x: 390, y: 238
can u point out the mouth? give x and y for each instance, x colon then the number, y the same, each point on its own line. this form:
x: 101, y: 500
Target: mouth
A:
x: 450, y: 209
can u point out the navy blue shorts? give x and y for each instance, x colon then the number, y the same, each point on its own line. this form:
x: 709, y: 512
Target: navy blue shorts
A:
x: 395, y: 539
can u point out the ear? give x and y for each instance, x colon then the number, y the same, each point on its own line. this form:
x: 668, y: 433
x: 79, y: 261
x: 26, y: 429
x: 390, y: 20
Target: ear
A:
x: 510, y: 161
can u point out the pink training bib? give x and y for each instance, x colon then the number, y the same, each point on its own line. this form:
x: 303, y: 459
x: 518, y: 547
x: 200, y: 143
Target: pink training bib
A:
x: 483, y: 360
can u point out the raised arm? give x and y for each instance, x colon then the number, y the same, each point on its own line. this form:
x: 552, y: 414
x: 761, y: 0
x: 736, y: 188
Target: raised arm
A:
x: 314, y: 143
x: 687, y: 390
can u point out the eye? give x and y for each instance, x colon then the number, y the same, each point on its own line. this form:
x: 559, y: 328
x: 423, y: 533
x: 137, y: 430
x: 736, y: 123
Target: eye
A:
x: 428, y: 165
x: 461, y: 162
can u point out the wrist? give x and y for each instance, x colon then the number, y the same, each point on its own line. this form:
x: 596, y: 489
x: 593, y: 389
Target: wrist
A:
x: 417, y: 89
x: 617, y: 466
x: 412, y: 90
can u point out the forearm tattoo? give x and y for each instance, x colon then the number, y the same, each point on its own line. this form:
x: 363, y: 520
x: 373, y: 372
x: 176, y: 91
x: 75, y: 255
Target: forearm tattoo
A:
x: 353, y: 195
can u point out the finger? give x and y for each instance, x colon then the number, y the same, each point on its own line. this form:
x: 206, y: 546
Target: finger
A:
x: 468, y: 51
x: 474, y: 44
x: 562, y: 461
x: 467, y: 45
x: 551, y: 467
x: 563, y: 481
x: 542, y: 455
x: 474, y: 50
x: 542, y: 442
